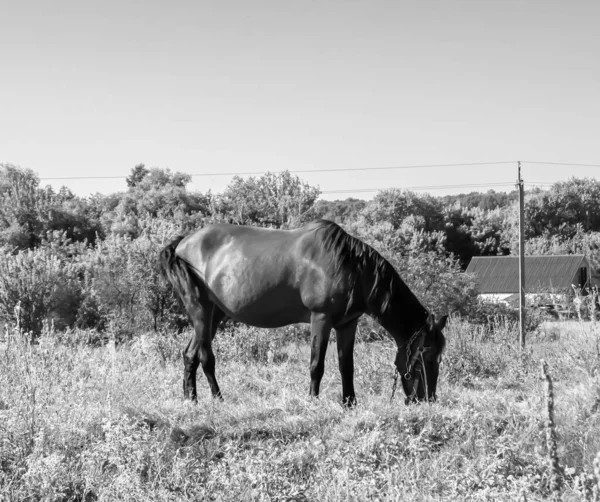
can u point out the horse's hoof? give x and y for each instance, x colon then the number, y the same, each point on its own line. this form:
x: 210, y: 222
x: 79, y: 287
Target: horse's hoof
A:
x: 349, y: 402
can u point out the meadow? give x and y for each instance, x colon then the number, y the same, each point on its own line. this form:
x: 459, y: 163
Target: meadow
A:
x: 88, y: 419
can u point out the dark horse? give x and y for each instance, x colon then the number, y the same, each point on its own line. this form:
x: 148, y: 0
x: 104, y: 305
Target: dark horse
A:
x: 316, y: 274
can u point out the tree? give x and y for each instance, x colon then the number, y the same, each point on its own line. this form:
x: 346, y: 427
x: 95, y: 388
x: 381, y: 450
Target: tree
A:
x: 487, y: 201
x: 479, y: 232
x: 68, y: 214
x: 561, y: 209
x: 340, y: 211
x: 394, y: 206
x: 19, y: 227
x: 279, y: 200
x: 488, y: 231
x: 159, y: 193
x: 30, y: 212
x: 138, y: 173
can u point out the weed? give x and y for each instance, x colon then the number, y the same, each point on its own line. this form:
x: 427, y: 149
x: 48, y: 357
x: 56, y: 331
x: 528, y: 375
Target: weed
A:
x: 108, y: 421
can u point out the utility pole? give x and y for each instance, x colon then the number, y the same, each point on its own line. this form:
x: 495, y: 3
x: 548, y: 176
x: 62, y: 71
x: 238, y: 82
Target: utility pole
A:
x: 521, y: 257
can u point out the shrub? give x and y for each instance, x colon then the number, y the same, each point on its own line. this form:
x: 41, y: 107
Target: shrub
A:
x: 248, y: 344
x: 115, y: 285
x: 39, y: 285
x: 475, y: 353
x: 495, y: 316
x: 122, y: 285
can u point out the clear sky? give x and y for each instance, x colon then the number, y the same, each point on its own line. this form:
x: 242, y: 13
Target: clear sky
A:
x: 92, y: 88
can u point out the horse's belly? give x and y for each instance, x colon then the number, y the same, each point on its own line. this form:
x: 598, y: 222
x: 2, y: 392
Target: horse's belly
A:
x: 273, y: 319
x: 258, y: 303
x: 265, y: 312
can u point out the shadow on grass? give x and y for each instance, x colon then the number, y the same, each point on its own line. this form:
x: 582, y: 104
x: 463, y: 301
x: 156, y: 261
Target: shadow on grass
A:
x: 240, y: 430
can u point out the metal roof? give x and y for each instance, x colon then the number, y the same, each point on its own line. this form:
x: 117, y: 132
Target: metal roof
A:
x: 500, y: 274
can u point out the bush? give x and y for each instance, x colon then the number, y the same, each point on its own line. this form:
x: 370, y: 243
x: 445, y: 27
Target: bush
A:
x: 248, y: 344
x: 122, y: 285
x: 476, y: 352
x: 115, y: 285
x: 495, y: 316
x: 39, y: 285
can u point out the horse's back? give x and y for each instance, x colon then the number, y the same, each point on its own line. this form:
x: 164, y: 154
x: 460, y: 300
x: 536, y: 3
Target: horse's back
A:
x: 259, y: 276
x: 219, y: 242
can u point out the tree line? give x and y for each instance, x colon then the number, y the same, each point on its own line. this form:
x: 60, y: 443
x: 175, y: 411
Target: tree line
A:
x: 91, y: 262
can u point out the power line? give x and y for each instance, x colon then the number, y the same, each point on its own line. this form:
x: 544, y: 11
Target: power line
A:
x: 568, y: 164
x: 441, y: 187
x: 342, y: 169
x: 424, y: 187
x: 301, y: 171
x: 384, y: 168
x: 366, y: 190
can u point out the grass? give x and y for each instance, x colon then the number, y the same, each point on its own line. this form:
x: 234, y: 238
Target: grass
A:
x: 109, y: 423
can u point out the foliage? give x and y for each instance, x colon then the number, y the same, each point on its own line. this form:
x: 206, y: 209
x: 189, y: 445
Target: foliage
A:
x: 138, y: 173
x: 340, y: 211
x: 30, y: 212
x: 586, y: 243
x: 153, y: 193
x: 499, y: 316
x: 122, y: 285
x: 487, y: 229
x: 565, y: 209
x: 85, y: 418
x: 40, y: 285
x: 19, y: 223
x: 278, y: 200
x: 403, y: 207
x: 113, y: 285
x: 95, y: 258
x: 108, y: 423
x: 488, y: 201
x: 477, y: 232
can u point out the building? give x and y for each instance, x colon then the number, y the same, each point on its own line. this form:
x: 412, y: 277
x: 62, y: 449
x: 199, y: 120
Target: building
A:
x: 498, y: 276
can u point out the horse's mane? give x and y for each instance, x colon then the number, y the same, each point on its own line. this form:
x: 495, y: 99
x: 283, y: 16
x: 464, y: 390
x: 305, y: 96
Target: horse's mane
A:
x: 352, y: 255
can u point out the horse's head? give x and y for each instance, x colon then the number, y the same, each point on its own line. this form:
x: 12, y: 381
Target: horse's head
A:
x: 418, y: 361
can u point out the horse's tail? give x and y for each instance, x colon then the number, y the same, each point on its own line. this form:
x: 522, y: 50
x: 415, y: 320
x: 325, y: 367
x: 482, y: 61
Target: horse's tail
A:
x: 175, y: 270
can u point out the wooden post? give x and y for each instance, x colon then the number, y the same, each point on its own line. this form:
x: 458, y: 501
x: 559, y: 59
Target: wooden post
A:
x: 521, y: 257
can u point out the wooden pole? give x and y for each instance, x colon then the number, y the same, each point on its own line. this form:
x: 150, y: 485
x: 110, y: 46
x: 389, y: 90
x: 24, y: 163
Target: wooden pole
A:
x: 521, y: 257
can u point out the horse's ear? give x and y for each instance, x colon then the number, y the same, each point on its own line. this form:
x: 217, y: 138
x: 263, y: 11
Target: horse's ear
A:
x: 441, y: 324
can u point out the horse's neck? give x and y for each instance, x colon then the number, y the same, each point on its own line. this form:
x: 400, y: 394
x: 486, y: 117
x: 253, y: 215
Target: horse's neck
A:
x: 404, y: 315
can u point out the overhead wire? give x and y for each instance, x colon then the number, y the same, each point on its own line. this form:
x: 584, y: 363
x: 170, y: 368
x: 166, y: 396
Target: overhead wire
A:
x: 568, y: 164
x: 423, y: 187
x: 366, y: 169
x: 301, y: 171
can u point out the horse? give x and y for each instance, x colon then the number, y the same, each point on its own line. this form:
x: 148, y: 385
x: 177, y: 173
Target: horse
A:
x: 317, y: 274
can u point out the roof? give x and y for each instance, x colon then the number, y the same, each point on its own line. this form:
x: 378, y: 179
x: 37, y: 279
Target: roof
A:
x: 500, y: 274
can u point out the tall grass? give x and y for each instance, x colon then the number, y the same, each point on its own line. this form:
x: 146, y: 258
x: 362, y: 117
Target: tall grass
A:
x: 79, y: 422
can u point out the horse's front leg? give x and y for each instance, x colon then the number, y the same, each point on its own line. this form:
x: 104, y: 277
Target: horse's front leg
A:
x: 345, y: 336
x: 320, y: 329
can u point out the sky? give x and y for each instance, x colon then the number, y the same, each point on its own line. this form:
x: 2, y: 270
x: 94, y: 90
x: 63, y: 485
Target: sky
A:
x: 90, y: 88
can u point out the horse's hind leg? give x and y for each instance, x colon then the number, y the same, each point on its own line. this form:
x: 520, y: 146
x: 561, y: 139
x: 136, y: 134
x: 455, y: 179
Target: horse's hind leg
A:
x: 345, y: 336
x: 206, y: 318
x: 320, y: 328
